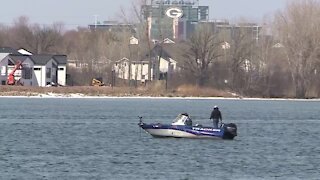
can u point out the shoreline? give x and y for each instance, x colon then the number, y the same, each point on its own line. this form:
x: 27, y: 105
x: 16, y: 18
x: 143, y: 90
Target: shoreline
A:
x: 83, y: 96
x: 93, y: 92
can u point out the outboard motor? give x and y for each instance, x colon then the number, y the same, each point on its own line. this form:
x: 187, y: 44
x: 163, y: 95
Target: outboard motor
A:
x: 230, y: 131
x: 140, y: 121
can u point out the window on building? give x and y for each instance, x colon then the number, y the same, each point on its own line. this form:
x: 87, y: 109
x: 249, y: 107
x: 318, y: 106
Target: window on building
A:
x: 48, y: 72
x: 3, y: 70
x: 27, y: 73
x: 10, y: 63
x: 61, y: 69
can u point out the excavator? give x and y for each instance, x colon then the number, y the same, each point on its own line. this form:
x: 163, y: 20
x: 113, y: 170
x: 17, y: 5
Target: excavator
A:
x: 11, y: 80
x: 97, y: 82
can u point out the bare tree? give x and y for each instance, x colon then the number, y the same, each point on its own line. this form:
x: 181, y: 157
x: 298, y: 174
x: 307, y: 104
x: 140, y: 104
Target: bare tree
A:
x: 3, y: 34
x: 205, y: 48
x: 36, y: 38
x: 239, y: 58
x: 298, y: 27
x: 46, y: 38
x: 21, y: 34
x: 141, y: 26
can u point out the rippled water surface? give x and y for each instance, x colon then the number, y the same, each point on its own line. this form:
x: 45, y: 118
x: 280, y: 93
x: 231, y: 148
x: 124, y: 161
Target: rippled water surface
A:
x: 57, y: 138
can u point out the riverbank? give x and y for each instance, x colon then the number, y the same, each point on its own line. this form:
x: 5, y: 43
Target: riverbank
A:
x: 123, y: 92
x: 105, y: 91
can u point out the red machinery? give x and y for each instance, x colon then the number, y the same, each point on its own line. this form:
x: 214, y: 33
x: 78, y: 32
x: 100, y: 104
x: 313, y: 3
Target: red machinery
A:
x: 11, y: 80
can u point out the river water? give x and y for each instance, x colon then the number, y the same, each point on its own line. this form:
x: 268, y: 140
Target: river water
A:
x: 98, y: 138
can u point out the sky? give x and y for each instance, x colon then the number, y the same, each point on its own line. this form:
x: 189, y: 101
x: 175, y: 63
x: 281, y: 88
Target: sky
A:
x: 74, y: 13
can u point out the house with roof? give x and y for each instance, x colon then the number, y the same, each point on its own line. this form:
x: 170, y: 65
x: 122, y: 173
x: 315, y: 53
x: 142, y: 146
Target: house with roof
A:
x: 169, y: 57
x: 135, y: 64
x: 164, y: 59
x: 7, y: 64
x: 62, y: 69
x: 49, y: 69
x: 8, y: 50
x: 36, y: 70
x: 24, y: 74
x: 132, y: 70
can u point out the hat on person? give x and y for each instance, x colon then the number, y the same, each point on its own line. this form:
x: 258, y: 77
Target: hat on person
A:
x: 215, y: 107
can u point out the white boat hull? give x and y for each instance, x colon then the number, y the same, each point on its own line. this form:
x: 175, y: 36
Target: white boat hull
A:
x: 176, y: 134
x: 170, y: 133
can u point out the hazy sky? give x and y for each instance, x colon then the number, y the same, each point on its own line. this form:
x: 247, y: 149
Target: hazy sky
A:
x: 75, y: 13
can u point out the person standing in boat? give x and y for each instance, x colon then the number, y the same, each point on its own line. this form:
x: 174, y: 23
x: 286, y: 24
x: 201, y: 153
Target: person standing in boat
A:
x: 188, y: 121
x: 215, y: 116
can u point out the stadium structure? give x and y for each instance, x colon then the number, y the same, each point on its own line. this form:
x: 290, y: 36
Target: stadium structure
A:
x: 174, y: 19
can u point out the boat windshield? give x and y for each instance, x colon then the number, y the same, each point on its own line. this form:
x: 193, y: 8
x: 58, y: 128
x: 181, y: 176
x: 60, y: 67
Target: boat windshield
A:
x: 182, y: 119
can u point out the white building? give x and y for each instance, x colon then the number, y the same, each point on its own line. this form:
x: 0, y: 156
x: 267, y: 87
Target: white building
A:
x: 163, y: 59
x: 36, y: 70
x: 62, y: 69
x: 133, y: 70
x: 45, y: 70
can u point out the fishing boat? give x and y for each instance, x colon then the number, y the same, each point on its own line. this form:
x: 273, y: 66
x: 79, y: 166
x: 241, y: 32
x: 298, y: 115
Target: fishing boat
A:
x: 182, y: 127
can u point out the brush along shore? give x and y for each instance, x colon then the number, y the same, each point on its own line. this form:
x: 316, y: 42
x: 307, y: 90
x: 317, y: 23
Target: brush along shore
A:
x: 182, y: 91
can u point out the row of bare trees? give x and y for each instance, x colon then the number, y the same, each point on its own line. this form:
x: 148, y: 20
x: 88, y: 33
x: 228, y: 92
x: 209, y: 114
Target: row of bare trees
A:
x: 285, y: 62
x: 35, y: 38
x: 247, y: 66
x: 298, y: 28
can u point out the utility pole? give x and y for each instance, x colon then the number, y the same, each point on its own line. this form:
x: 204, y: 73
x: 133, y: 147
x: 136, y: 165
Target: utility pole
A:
x: 149, y: 45
x: 95, y: 21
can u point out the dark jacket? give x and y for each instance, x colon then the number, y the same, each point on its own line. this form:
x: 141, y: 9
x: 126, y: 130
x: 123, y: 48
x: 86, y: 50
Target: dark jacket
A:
x: 216, y: 114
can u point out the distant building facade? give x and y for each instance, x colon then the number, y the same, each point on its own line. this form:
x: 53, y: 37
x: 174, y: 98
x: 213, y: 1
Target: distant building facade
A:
x: 112, y: 26
x: 230, y: 31
x: 174, y: 19
x: 132, y: 70
x: 37, y: 70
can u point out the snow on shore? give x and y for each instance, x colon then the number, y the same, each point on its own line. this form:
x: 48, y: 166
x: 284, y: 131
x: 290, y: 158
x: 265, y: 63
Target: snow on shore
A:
x: 79, y: 95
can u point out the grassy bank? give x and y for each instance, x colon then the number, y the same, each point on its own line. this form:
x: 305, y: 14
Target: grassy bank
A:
x: 182, y: 91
